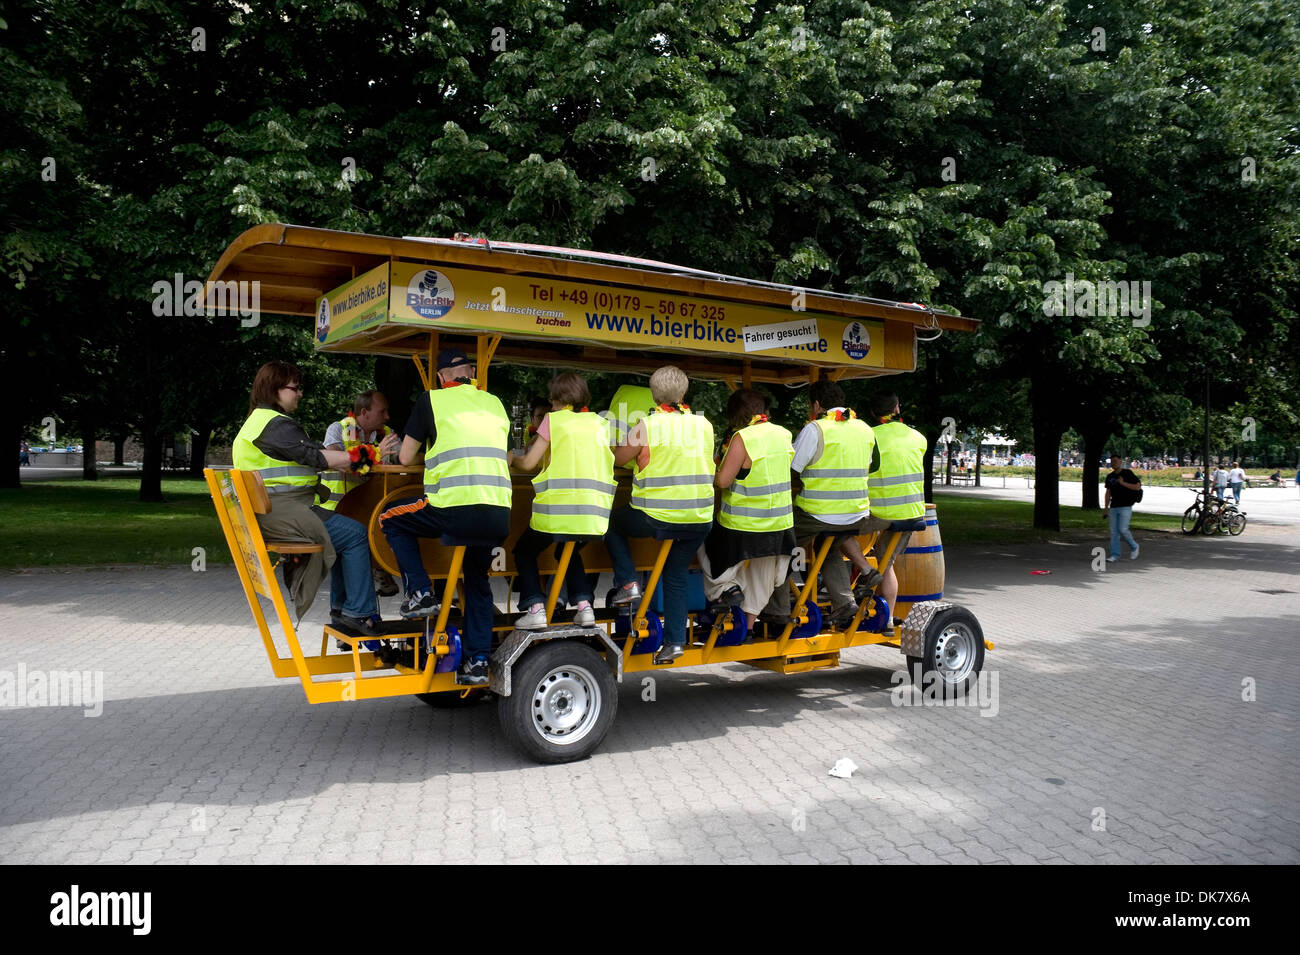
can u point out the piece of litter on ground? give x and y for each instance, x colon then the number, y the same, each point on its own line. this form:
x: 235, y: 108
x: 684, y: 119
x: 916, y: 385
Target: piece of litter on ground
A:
x: 1040, y: 571
x: 843, y: 768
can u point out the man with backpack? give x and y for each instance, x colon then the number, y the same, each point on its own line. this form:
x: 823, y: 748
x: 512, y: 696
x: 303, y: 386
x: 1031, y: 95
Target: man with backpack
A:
x: 1123, y: 490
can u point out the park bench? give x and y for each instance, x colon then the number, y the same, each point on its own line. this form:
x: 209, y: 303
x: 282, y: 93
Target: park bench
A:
x: 965, y: 479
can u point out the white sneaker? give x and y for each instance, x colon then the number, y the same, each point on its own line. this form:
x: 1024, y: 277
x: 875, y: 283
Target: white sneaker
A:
x: 1111, y: 559
x: 1134, y: 554
x: 586, y: 617
x: 533, y: 620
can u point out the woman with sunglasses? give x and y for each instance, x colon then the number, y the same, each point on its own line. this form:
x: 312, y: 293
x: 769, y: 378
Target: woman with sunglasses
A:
x: 275, y: 444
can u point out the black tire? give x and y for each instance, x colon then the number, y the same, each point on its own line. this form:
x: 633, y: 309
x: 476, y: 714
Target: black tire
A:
x: 954, y: 651
x: 452, y: 700
x: 562, y: 702
x: 1191, y: 520
x: 1237, y: 524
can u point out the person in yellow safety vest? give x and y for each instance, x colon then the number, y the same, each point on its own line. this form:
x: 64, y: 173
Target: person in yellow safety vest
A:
x: 832, y: 455
x: 367, y: 423
x: 747, y: 554
x: 541, y: 407
x: 629, y: 406
x: 573, y: 495
x: 275, y: 445
x: 462, y: 434
x: 898, y: 483
x: 672, y: 499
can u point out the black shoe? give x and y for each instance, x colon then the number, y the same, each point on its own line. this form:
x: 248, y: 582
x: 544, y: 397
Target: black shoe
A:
x: 842, y: 621
x: 367, y: 626
x: 473, y: 673
x: 867, y: 584
x: 669, y: 652
x: 731, y: 598
x: 419, y: 604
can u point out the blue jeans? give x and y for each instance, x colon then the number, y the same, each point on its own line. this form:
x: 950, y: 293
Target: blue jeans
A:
x: 352, y: 589
x: 531, y: 544
x: 1119, y: 518
x: 1236, y: 491
x: 625, y: 522
x: 404, y: 532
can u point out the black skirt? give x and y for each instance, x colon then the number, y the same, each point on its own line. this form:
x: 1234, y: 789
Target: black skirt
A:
x: 727, y: 548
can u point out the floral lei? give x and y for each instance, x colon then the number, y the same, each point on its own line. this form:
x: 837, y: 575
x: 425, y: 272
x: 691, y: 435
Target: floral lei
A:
x: 363, y: 457
x: 679, y: 408
x: 840, y: 415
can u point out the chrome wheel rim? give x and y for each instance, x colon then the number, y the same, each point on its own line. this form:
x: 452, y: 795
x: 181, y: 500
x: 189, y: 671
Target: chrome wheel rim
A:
x: 566, y: 702
x: 954, y: 652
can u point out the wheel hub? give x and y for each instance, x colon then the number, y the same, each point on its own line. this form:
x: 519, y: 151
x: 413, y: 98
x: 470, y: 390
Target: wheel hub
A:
x: 565, y: 705
x: 954, y: 652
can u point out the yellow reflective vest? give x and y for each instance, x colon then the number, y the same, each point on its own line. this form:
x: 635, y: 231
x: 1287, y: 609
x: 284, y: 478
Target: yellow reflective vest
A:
x: 676, y: 487
x: 467, y: 463
x: 761, y: 501
x: 630, y: 404
x: 898, y: 486
x: 836, y: 483
x: 574, y: 492
x: 278, y: 476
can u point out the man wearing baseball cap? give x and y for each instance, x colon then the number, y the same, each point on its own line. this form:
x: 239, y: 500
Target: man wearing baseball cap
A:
x: 461, y: 433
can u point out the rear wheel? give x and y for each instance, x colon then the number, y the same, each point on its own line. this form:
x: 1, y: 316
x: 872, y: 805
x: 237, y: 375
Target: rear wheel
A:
x: 953, y: 652
x: 562, y: 703
x: 1191, y: 517
x: 1237, y: 524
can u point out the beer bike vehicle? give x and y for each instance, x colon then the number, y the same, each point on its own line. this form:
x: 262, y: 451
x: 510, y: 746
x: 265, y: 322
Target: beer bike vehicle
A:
x: 560, y: 309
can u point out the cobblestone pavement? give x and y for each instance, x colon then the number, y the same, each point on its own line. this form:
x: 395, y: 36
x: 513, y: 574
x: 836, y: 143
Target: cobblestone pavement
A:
x: 1120, y: 735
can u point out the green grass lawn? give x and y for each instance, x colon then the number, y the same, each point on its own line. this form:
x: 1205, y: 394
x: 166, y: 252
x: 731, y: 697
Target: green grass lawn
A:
x: 970, y: 520
x: 54, y: 523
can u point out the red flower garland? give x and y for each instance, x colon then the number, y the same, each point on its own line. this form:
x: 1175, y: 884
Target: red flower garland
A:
x: 363, y: 457
x: 838, y: 415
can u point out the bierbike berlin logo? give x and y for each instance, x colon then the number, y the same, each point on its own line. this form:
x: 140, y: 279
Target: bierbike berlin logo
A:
x: 857, y: 341
x: 323, y: 319
x: 430, y: 294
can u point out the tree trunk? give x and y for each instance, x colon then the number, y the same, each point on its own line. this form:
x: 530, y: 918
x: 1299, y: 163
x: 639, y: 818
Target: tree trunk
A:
x: 1094, y: 444
x: 1048, y: 428
x: 929, y: 468
x: 979, y: 457
x: 89, y: 435
x: 947, y: 480
x: 11, y: 475
x: 151, y: 473
x: 119, y: 449
x: 199, y: 448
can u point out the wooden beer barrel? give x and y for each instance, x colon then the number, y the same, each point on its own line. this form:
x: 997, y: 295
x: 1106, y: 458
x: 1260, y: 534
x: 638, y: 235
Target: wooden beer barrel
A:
x: 920, y: 567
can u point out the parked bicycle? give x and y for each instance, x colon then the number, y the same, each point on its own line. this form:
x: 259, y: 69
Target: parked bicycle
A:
x: 1212, y: 516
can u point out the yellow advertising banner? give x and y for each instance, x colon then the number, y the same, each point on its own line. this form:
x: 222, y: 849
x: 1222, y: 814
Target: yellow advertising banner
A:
x: 353, y: 306
x: 243, y: 536
x: 453, y: 298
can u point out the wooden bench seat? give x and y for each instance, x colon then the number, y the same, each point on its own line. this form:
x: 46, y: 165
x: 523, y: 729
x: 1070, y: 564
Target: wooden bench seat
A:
x: 262, y: 505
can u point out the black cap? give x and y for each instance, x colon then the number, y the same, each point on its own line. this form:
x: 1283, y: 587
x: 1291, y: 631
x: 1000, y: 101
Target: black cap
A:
x: 451, y: 357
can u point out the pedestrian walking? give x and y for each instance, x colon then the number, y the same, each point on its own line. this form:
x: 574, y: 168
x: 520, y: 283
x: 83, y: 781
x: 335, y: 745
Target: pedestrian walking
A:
x: 1123, y: 490
x: 1236, y: 478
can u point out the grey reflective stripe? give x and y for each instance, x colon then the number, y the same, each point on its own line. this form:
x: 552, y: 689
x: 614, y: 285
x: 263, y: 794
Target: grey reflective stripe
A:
x: 892, y: 501
x: 659, y: 504
x: 456, y: 454
x: 332, y: 496
x: 643, y: 482
x: 850, y: 494
x: 816, y: 473
x: 468, y: 480
x: 333, y: 476
x: 284, y: 488
x: 574, y: 484
x: 900, y: 479
x: 761, y: 489
x: 292, y: 471
x: 571, y: 510
x: 784, y: 511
